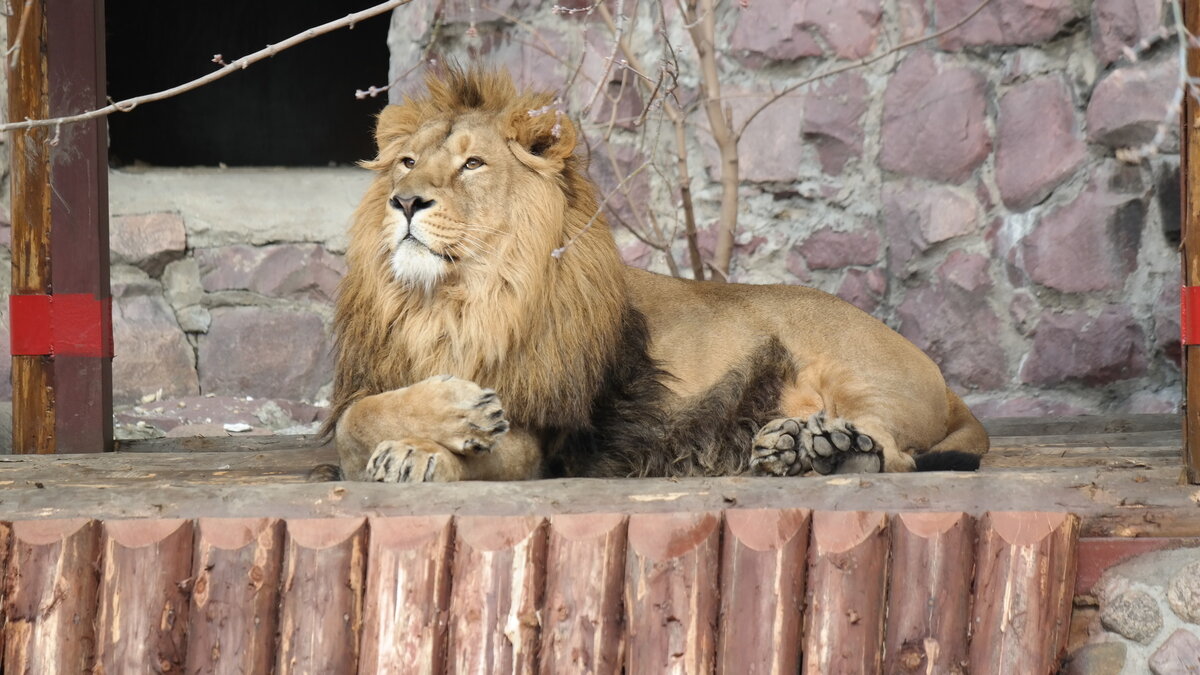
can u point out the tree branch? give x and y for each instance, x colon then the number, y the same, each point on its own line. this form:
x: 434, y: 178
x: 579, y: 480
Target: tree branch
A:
x: 239, y: 64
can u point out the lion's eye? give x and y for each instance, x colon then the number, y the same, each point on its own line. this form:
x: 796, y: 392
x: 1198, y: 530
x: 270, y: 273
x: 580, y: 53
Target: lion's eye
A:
x: 408, y: 162
x: 472, y: 163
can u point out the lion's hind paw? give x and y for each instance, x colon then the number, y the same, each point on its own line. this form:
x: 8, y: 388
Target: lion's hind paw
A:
x: 412, y: 462
x: 789, y: 446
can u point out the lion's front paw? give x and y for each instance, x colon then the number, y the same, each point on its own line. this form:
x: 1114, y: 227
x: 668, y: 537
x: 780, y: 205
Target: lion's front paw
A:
x: 472, y: 418
x: 414, y: 461
x: 789, y: 446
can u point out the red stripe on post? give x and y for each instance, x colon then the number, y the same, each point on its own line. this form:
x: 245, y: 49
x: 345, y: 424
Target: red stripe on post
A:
x: 73, y: 324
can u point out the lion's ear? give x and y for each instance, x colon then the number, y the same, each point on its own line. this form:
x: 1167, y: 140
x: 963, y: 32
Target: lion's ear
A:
x: 392, y: 124
x: 541, y: 138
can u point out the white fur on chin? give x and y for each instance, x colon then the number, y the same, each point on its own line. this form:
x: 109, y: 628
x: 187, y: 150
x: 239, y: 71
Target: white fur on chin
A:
x: 415, y: 265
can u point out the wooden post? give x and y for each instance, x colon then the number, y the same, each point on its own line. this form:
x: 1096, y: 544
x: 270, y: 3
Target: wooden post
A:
x: 51, y: 599
x: 62, y: 379
x: 762, y: 590
x: 1189, y: 160
x: 142, y: 623
x: 499, y: 574
x: 1024, y: 585
x: 407, y: 602
x: 235, y: 595
x: 671, y: 588
x: 320, y: 613
x: 585, y: 578
x: 847, y: 589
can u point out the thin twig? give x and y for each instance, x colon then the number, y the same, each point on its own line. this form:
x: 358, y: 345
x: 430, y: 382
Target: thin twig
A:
x: 862, y: 63
x: 239, y: 64
x: 558, y: 252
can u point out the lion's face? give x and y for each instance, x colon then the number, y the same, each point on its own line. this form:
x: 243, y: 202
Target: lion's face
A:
x: 445, y: 210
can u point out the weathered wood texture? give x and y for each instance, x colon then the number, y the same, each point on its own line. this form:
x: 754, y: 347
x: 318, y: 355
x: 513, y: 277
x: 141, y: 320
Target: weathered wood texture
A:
x: 933, y: 560
x: 60, y: 213
x: 1189, y: 163
x: 407, y: 602
x: 1024, y: 582
x: 143, y: 614
x: 499, y: 575
x: 671, y: 587
x: 235, y: 595
x: 763, y: 560
x: 847, y: 581
x: 582, y: 624
x: 320, y: 614
x: 50, y: 602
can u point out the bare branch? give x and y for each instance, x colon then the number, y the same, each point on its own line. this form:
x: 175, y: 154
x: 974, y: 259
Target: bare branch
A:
x: 240, y: 64
x: 862, y: 63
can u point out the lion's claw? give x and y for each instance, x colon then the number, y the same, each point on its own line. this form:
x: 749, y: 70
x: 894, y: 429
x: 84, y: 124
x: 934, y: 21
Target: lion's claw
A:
x: 404, y: 462
x: 790, y: 446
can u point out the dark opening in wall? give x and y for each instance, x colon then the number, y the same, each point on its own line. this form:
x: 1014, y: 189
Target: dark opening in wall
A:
x: 295, y: 109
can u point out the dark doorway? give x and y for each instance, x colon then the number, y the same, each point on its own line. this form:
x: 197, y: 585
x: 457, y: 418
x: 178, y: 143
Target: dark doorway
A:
x: 295, y: 109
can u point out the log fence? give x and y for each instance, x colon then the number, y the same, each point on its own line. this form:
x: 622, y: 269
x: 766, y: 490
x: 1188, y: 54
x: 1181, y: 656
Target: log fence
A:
x: 734, y: 591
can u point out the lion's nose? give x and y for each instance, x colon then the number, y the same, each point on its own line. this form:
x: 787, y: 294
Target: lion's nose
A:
x: 409, y: 205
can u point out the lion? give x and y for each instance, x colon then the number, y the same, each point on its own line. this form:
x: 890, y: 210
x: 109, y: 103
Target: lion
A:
x: 487, y: 329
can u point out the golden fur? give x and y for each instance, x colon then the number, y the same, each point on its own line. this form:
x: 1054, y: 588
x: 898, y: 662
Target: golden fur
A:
x: 454, y: 295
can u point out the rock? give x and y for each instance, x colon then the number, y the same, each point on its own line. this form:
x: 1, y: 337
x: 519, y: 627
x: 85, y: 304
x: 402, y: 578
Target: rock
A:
x: 151, y: 350
x: 1184, y: 593
x: 913, y: 19
x: 915, y: 218
x: 968, y: 271
x: 1179, y: 655
x: 1166, y: 322
x: 5, y: 427
x: 1025, y: 406
x: 956, y: 326
x: 827, y: 249
x: 781, y: 30
x: 1166, y: 402
x: 211, y: 431
x: 181, y: 282
x: 1130, y: 103
x: 772, y: 30
x: 149, y: 240
x: 5, y: 359
x: 863, y: 288
x: 280, y: 271
x: 771, y: 148
x: 1117, y: 24
x: 1073, y: 346
x: 261, y: 351
x: 922, y: 103
x: 193, y: 319
x: 1003, y: 22
x: 1132, y: 614
x: 1097, y: 658
x: 1092, y: 243
x: 1038, y: 145
x: 833, y: 113
x: 627, y: 197
x: 1169, y: 203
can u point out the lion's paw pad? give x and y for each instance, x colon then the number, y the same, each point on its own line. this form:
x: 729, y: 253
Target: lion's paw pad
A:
x: 403, y: 462
x: 790, y: 445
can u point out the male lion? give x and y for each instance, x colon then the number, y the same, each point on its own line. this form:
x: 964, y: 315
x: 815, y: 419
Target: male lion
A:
x: 455, y: 302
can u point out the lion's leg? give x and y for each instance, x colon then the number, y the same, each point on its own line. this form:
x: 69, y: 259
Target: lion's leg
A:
x: 820, y: 432
x: 442, y: 428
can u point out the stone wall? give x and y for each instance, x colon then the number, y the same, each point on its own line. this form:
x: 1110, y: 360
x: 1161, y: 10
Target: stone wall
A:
x: 965, y: 191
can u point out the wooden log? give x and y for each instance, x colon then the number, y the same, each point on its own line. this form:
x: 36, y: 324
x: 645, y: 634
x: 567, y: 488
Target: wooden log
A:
x: 407, y: 600
x: 5, y: 554
x: 1024, y: 582
x: 52, y: 576
x: 847, y: 581
x: 320, y: 615
x: 582, y: 629
x: 671, y: 602
x: 929, y: 604
x: 763, y: 561
x: 142, y: 626
x: 499, y: 574
x: 235, y: 595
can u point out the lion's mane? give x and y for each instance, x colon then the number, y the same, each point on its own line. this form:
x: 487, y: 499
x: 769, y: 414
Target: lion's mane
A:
x: 541, y: 330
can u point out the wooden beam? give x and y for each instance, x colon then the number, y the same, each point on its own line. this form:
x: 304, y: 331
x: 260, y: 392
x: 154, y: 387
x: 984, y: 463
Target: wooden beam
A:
x: 1190, y: 194
x: 61, y: 402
